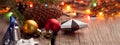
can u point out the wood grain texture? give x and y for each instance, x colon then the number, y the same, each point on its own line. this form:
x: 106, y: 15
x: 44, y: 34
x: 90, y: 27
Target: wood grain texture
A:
x: 4, y: 24
x: 100, y: 31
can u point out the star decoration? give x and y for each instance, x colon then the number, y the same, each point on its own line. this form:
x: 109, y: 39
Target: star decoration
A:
x: 26, y: 42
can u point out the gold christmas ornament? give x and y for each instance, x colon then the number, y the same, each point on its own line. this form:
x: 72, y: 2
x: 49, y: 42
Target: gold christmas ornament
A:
x: 30, y: 27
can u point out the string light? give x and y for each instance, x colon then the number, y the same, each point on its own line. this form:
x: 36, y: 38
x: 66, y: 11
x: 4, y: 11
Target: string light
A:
x: 31, y: 5
x: 62, y: 3
x: 101, y: 14
x: 68, y: 7
x: 88, y: 17
x: 88, y: 11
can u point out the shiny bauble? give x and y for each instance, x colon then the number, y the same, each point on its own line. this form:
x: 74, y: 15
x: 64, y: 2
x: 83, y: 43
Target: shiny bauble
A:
x: 52, y: 24
x: 30, y: 27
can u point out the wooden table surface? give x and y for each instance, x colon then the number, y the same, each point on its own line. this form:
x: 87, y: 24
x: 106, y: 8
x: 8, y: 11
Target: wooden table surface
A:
x: 4, y: 24
x: 100, y: 31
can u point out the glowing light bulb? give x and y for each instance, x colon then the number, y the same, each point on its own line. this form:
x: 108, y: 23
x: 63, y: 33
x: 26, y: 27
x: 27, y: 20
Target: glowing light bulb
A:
x: 88, y: 17
x: 88, y: 11
x: 119, y: 13
x: 68, y: 7
x: 62, y: 3
x: 74, y: 14
x: 31, y: 5
x: 101, y: 14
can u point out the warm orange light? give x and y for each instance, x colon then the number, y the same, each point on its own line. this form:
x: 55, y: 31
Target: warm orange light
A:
x: 88, y: 17
x: 74, y: 14
x: 62, y: 3
x: 88, y: 11
x: 101, y: 14
x: 68, y: 7
x: 81, y: 2
x: 31, y: 5
x: 119, y: 13
x: 101, y: 18
x: 5, y: 10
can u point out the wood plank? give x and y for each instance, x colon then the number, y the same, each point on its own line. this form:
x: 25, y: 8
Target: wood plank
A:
x: 99, y: 32
x: 3, y: 27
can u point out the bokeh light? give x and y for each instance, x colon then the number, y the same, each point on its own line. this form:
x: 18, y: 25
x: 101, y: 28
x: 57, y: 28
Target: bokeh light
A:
x: 9, y: 14
x: 119, y: 13
x: 68, y: 8
x: 5, y: 10
x: 81, y: 2
x: 62, y: 3
x: 100, y: 14
x: 31, y: 5
x: 88, y: 17
x: 88, y: 11
x: 73, y: 14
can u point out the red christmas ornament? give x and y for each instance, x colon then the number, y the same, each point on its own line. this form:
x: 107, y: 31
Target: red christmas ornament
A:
x: 52, y: 24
